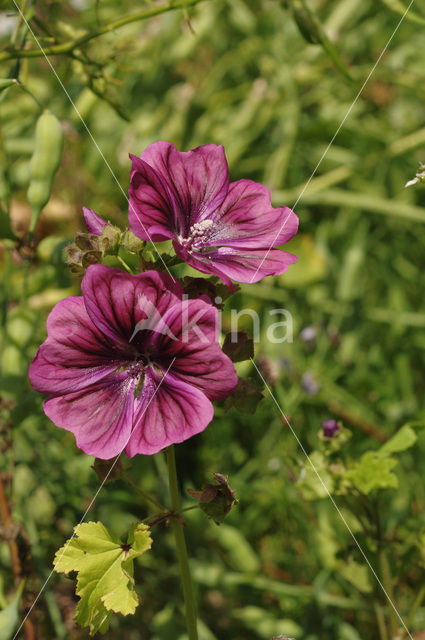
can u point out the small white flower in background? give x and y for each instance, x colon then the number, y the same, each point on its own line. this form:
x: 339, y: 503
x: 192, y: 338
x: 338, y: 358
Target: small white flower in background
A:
x: 420, y: 176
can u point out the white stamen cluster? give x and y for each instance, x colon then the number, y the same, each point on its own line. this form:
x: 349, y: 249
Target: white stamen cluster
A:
x: 197, y: 232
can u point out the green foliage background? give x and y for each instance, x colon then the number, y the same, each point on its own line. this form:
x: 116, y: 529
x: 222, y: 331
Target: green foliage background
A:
x: 238, y: 73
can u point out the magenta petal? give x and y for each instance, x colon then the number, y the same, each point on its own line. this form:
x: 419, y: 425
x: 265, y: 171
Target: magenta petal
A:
x: 247, y: 219
x: 152, y: 209
x: 167, y: 411
x: 100, y: 416
x: 193, y: 323
x: 198, y: 179
x: 188, y: 338
x: 94, y: 222
x: 75, y: 353
x: 248, y: 265
x: 117, y: 302
x: 208, y: 369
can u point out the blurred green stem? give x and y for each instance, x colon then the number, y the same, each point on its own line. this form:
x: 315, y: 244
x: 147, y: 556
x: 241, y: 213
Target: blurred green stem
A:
x: 189, y: 600
x: 387, y: 582
x: 381, y: 622
x: 67, y: 47
x: 415, y: 606
x: 30, y: 93
x: 142, y: 494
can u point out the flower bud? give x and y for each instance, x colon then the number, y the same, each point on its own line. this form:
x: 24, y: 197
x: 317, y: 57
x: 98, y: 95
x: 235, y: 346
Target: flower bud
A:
x: 330, y: 428
x: 110, y: 238
x: 132, y: 243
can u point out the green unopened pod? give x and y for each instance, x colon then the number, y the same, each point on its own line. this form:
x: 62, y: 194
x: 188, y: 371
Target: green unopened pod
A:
x: 44, y: 163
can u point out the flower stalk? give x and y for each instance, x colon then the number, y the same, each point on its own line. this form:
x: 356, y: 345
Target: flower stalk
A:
x: 189, y: 600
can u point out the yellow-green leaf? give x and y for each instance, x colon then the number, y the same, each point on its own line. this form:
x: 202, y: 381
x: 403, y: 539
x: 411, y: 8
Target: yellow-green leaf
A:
x: 105, y: 571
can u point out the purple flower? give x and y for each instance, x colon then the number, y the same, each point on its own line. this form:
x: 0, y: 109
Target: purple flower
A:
x: 227, y: 229
x: 330, y: 428
x: 131, y: 365
x: 94, y: 222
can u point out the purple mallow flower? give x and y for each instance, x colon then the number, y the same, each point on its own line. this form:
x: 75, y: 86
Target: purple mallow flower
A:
x: 330, y: 428
x: 131, y: 364
x: 227, y: 229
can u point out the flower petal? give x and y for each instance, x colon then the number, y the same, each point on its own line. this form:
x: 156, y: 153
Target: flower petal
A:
x: 198, y: 179
x: 100, y: 416
x: 247, y: 219
x: 190, y: 341
x: 75, y: 353
x: 243, y: 265
x: 152, y: 208
x: 94, y: 222
x: 167, y: 411
x: 121, y: 305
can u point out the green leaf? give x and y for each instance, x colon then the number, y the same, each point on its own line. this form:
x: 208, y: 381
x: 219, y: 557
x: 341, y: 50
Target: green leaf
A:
x: 373, y: 472
x: 402, y: 440
x: 105, y: 571
x: 10, y: 615
x: 245, y: 398
x: 239, y: 346
x: 215, y: 500
x: 357, y: 574
x: 316, y: 480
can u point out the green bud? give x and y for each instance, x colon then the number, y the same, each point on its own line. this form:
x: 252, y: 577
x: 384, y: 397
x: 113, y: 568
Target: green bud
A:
x: 132, y: 243
x: 110, y: 238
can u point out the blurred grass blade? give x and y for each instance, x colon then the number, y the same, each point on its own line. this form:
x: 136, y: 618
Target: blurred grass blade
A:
x: 398, y: 7
x: 10, y: 615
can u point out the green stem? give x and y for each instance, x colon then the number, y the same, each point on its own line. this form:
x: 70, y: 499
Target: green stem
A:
x: 67, y: 47
x: 387, y: 582
x: 30, y: 93
x: 381, y: 622
x: 415, y: 606
x: 124, y: 264
x: 181, y: 548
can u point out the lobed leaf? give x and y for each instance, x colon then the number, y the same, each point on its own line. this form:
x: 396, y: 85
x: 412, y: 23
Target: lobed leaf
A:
x: 105, y: 571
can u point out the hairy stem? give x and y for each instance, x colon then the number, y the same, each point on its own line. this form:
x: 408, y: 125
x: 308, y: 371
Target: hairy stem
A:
x: 189, y: 600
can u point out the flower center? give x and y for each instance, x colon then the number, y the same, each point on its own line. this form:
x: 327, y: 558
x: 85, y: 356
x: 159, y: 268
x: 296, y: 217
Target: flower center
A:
x: 138, y: 366
x: 198, y: 233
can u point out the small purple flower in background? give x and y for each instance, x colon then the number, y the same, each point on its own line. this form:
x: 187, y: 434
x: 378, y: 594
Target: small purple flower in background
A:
x: 309, y: 384
x: 131, y: 365
x: 330, y: 428
x: 308, y: 334
x: 226, y: 229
